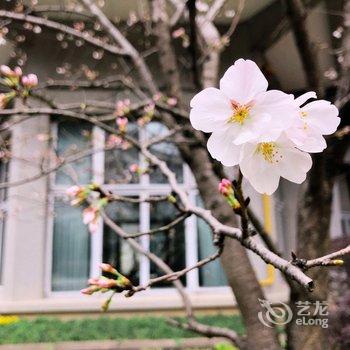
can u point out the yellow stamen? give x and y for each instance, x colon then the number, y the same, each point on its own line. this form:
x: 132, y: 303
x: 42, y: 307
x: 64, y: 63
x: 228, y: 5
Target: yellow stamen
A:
x: 303, y: 116
x: 240, y: 115
x: 267, y: 150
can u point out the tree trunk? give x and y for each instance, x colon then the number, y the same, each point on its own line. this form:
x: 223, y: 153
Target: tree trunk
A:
x: 314, y: 212
x: 240, y: 274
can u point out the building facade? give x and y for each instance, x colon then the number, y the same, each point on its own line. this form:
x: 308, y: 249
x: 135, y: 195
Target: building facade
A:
x: 47, y: 253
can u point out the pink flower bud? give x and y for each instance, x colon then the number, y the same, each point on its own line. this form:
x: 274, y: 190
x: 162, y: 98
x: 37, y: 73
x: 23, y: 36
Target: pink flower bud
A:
x: 157, y: 97
x: 172, y: 101
x: 122, y: 122
x: 108, y: 268
x: 134, y: 168
x: 122, y: 107
x: 226, y: 182
x: 178, y: 33
x: 5, y: 70
x: 79, y: 26
x: 93, y: 281
x: 90, y: 290
x: 89, y: 215
x: 8, y: 72
x: 30, y: 80
x: 17, y: 71
x: 93, y: 226
x: 225, y: 187
x: 114, y: 140
x: 106, y: 283
x: 73, y: 191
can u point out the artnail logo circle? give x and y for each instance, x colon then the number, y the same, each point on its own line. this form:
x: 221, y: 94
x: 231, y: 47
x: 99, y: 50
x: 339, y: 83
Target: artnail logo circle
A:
x: 280, y: 314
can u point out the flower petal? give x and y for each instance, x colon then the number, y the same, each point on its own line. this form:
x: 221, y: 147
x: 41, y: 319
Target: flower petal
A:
x: 261, y: 174
x: 307, y: 140
x: 294, y: 165
x: 221, y: 148
x: 243, y: 81
x: 323, y: 116
x: 304, y: 97
x: 210, y: 110
x: 282, y: 111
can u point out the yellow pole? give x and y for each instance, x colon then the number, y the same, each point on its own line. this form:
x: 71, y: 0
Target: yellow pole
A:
x: 271, y: 274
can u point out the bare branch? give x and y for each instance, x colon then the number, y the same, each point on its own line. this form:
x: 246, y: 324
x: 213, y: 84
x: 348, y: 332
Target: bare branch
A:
x: 124, y: 44
x: 64, y: 29
x: 164, y: 228
x: 328, y: 260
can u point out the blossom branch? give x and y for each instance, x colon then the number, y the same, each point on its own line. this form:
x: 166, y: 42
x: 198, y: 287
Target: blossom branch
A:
x: 191, y: 321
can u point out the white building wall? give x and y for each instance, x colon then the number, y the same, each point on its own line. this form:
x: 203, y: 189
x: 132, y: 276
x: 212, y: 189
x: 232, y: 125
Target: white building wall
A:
x: 25, y: 235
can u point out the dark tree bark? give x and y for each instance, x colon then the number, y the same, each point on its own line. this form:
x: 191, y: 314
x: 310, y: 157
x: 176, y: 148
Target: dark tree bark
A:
x: 315, y: 201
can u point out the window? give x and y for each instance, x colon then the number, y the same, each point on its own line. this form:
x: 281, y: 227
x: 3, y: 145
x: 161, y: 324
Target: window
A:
x: 76, y: 254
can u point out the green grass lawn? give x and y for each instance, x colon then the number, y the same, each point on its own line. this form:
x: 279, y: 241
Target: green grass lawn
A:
x: 45, y: 329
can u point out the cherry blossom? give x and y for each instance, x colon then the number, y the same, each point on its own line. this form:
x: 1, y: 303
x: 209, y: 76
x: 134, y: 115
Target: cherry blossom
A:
x: 266, y: 133
x: 313, y: 120
x: 263, y: 163
x: 242, y: 110
x: 90, y: 218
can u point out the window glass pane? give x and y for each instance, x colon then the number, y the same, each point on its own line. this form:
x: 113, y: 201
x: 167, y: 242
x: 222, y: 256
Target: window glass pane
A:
x: 168, y: 245
x: 116, y: 251
x: 73, y: 137
x: 212, y: 274
x: 71, y: 248
x: 3, y: 194
x: 165, y: 151
x: 118, y: 161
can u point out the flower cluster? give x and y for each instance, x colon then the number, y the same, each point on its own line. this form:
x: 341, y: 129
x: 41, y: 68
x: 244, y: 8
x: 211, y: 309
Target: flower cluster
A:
x: 148, y: 114
x: 269, y: 134
x: 78, y: 194
x: 115, y: 141
x: 113, y: 281
x: 122, y: 108
x: 226, y: 189
x: 18, y: 84
x: 91, y: 214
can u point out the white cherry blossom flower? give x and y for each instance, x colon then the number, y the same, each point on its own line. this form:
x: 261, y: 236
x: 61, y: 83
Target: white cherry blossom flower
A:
x: 313, y: 120
x: 263, y: 163
x: 241, y: 111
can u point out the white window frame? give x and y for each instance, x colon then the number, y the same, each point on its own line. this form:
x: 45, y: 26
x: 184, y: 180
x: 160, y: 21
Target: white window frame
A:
x: 142, y: 189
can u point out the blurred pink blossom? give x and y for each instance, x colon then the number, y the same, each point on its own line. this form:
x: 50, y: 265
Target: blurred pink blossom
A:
x: 30, y: 80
